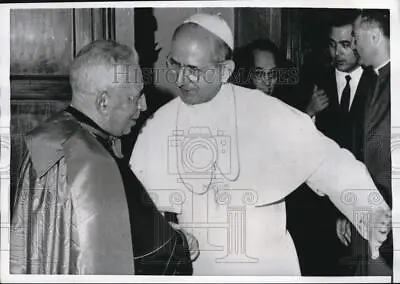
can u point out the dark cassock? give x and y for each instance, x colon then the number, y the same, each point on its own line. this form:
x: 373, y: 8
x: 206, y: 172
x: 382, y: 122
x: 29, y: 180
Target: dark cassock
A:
x: 377, y: 157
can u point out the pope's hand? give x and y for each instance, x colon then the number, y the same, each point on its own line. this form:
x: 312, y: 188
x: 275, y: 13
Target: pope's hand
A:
x: 343, y: 231
x: 193, y: 243
x: 379, y: 230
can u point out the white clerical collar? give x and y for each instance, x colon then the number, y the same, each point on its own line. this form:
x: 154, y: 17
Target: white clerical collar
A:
x: 380, y: 66
x: 355, y: 73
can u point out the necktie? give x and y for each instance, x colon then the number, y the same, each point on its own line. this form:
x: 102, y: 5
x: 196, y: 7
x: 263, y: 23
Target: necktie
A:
x: 345, y: 100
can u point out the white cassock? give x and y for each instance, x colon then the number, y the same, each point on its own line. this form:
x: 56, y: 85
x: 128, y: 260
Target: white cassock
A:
x: 225, y: 167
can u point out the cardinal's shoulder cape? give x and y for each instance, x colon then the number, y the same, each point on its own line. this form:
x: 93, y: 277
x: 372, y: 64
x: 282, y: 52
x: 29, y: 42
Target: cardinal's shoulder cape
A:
x: 70, y: 213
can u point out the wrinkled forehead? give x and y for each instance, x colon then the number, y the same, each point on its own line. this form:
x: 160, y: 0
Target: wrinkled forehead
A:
x: 130, y: 88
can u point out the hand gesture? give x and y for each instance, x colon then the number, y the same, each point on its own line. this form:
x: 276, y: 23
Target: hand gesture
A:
x: 343, y: 230
x: 193, y: 243
x: 380, y: 228
x: 319, y: 101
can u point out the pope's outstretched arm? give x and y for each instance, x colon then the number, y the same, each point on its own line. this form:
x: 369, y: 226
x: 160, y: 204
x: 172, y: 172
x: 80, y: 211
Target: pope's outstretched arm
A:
x: 320, y: 162
x: 348, y: 184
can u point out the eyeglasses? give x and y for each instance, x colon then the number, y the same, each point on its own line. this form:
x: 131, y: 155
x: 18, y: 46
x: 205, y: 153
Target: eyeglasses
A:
x: 193, y: 71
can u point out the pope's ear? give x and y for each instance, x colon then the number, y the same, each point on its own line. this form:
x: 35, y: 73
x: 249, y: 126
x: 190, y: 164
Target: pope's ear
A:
x: 102, y: 101
x: 228, y: 66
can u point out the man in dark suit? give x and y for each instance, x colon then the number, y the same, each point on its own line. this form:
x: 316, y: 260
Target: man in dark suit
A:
x: 340, y: 91
x: 337, y: 107
x: 372, y: 38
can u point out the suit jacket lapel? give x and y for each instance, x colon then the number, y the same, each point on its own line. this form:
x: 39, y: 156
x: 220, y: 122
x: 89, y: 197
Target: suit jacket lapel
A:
x: 364, y: 87
x: 383, y: 77
x: 332, y: 89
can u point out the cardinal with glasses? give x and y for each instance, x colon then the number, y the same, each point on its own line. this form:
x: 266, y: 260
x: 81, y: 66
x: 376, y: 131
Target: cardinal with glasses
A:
x: 79, y: 209
x: 222, y: 159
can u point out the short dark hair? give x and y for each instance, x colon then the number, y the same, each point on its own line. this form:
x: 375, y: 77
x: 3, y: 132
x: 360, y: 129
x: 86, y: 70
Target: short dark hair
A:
x: 264, y: 44
x: 379, y: 17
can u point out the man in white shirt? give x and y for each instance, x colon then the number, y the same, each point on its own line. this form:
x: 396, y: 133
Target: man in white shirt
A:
x: 223, y: 158
x: 340, y: 91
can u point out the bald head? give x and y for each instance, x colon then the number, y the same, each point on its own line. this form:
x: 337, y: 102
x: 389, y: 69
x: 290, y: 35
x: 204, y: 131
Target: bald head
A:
x: 194, y: 33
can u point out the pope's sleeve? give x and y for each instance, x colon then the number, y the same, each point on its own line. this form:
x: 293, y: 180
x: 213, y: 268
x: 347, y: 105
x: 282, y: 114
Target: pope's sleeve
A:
x: 344, y: 179
x: 149, y: 161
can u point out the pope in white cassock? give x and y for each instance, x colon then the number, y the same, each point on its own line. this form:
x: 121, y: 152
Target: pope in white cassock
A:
x: 223, y: 158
